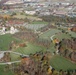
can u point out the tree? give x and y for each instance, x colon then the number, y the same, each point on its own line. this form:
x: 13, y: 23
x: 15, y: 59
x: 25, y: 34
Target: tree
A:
x: 37, y: 65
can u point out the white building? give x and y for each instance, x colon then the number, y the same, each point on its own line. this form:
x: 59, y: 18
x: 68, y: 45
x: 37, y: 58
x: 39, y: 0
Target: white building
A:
x: 30, y: 12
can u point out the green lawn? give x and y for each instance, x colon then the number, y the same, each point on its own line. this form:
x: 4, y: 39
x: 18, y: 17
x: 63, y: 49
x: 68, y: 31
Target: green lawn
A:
x: 52, y: 48
x: 49, y: 33
x: 63, y: 36
x: 14, y: 57
x: 72, y: 33
x: 5, y: 41
x: 31, y: 48
x: 59, y: 62
x: 2, y: 72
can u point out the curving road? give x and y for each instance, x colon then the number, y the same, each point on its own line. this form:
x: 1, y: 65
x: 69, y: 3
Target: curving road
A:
x: 52, y: 37
x: 12, y: 61
x: 15, y: 53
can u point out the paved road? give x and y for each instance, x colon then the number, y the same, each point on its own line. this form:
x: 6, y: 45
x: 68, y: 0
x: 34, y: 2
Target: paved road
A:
x: 52, y: 37
x: 14, y: 53
x: 12, y: 61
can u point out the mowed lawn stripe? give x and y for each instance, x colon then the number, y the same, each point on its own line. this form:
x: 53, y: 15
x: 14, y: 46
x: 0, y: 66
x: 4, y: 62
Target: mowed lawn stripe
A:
x: 49, y: 33
x: 30, y: 48
x: 5, y: 41
x: 59, y: 62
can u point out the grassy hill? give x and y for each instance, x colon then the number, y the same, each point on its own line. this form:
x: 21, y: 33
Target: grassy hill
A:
x: 5, y: 41
x: 59, y: 62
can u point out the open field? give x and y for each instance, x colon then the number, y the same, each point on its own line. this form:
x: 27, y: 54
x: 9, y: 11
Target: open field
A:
x: 59, y: 62
x: 39, y: 22
x: 5, y: 41
x: 30, y: 49
x: 15, y: 57
x: 52, y: 48
x: 49, y: 33
x: 30, y: 17
x: 2, y: 72
x: 63, y: 36
x: 72, y: 33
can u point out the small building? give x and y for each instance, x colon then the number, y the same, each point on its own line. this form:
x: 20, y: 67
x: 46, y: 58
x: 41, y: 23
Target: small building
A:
x: 30, y: 12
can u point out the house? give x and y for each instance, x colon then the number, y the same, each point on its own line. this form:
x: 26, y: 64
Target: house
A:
x: 30, y: 12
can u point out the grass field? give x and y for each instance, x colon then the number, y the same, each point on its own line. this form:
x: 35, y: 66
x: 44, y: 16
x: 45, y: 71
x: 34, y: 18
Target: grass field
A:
x: 59, y: 62
x: 5, y: 41
x: 60, y: 36
x: 2, y: 72
x: 52, y: 48
x: 30, y: 17
x: 63, y: 36
x: 72, y: 33
x: 49, y: 33
x: 14, y: 57
x: 30, y: 49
